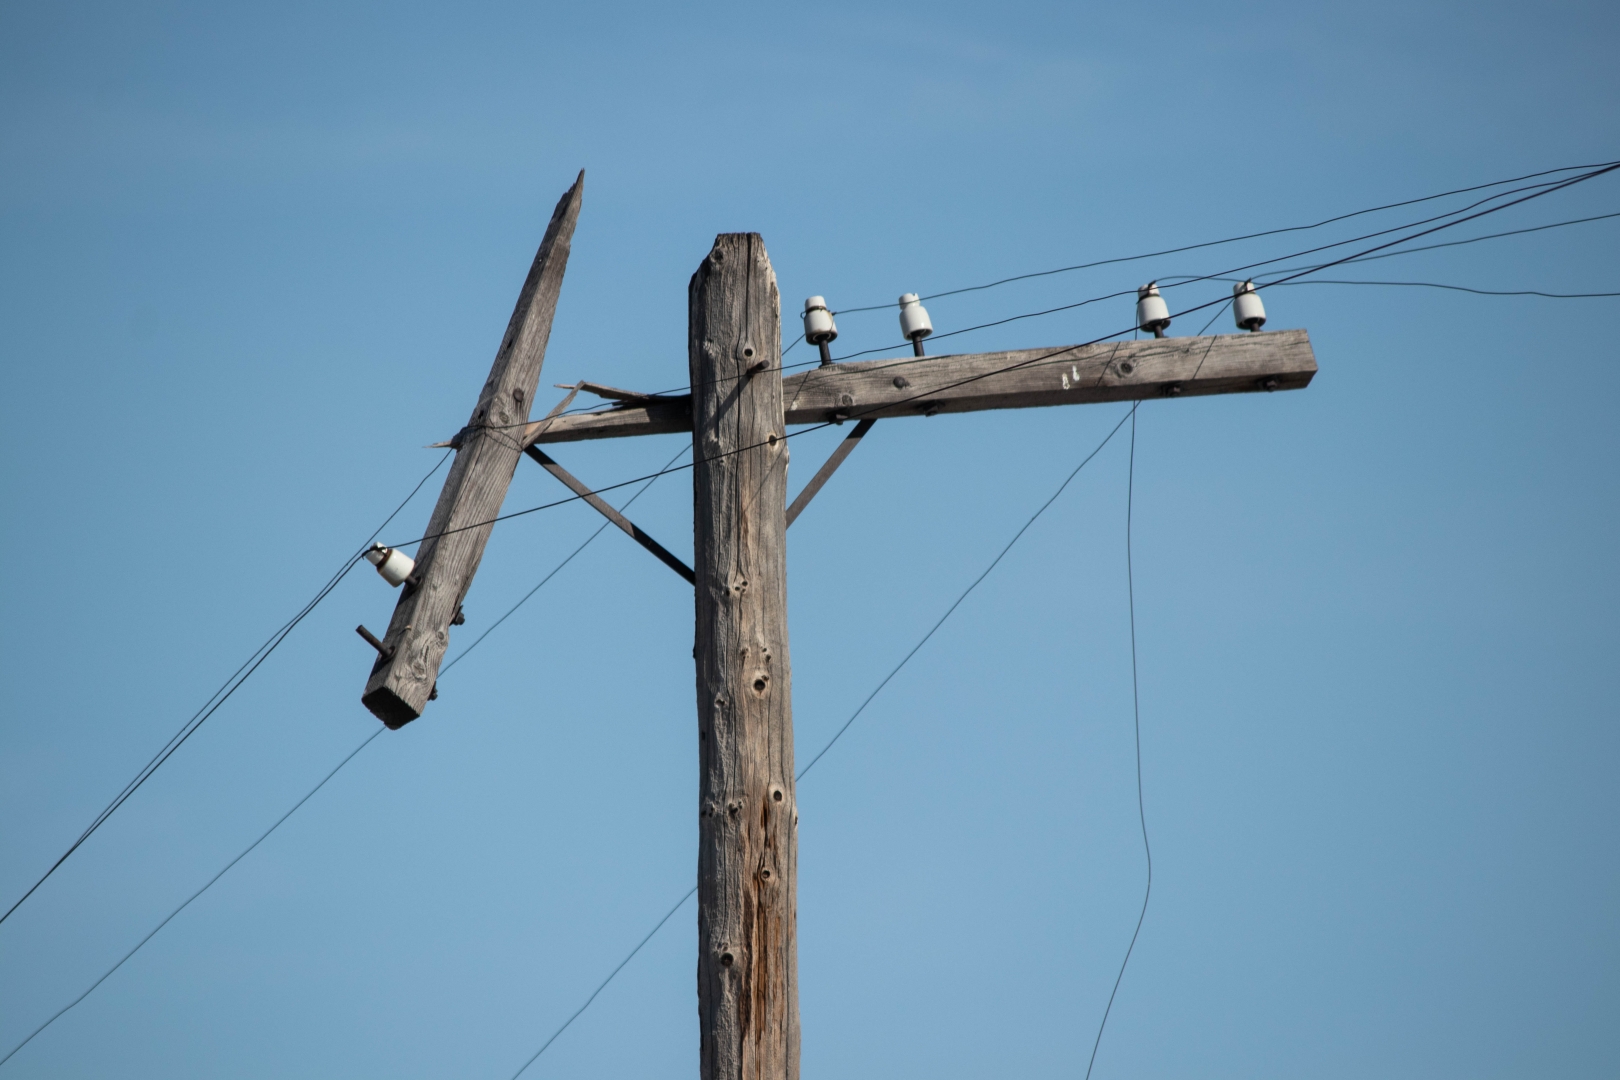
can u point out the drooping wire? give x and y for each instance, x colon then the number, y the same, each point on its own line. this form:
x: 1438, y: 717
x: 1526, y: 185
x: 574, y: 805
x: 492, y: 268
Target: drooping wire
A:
x: 846, y: 725
x: 631, y: 955
x: 208, y: 885
x: 937, y: 390
x: 1136, y: 720
x: 308, y: 795
x: 964, y: 595
x: 223, y: 694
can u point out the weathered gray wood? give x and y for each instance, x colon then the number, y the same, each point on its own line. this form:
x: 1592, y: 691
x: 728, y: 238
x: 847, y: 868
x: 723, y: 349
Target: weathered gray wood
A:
x: 487, y: 454
x: 748, y: 1003
x: 1018, y: 379
x: 601, y: 506
x: 846, y: 446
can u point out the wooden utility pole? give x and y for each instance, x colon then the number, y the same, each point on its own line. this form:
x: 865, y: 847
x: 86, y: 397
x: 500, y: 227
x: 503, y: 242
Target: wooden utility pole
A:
x: 738, y: 410
x: 748, y: 1002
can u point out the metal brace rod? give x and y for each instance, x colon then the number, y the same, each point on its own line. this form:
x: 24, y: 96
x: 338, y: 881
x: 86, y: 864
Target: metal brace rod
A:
x: 601, y: 507
x: 828, y: 468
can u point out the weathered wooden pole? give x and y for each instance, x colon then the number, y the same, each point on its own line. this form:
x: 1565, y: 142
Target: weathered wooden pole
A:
x: 487, y: 452
x: 748, y: 994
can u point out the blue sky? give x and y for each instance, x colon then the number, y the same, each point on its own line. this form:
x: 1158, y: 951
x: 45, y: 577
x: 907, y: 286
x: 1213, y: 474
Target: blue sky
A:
x: 253, y: 258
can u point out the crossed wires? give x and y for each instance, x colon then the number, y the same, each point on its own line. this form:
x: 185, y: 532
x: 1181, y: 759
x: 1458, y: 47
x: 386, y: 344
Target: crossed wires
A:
x: 220, y: 696
x: 335, y: 770
x: 1539, y: 190
x: 253, y: 662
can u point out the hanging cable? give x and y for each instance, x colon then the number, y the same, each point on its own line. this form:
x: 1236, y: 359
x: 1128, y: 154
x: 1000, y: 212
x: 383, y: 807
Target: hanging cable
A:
x: 210, y: 884
x: 846, y: 725
x: 243, y: 854
x: 220, y: 696
x: 1136, y: 720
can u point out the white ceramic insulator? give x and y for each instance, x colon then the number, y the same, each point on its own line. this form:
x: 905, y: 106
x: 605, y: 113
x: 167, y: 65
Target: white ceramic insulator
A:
x: 818, y: 322
x: 394, y: 565
x: 1151, y: 311
x: 914, y: 321
x: 1247, y: 310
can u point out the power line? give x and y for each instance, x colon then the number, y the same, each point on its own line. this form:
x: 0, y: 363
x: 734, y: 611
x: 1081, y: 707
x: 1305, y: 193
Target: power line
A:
x: 554, y: 570
x: 219, y: 697
x: 1191, y: 279
x: 846, y: 725
x: 329, y: 776
x: 1195, y: 247
x: 1234, y: 239
x: 1135, y: 695
x: 1543, y: 189
x: 210, y: 884
x: 1136, y: 719
x: 631, y: 955
x: 1460, y: 288
x: 1476, y: 239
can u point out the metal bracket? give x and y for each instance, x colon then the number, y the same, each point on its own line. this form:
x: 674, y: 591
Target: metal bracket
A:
x: 828, y: 468
x: 600, y: 505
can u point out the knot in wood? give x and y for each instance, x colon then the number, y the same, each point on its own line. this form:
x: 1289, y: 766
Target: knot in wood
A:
x: 761, y: 681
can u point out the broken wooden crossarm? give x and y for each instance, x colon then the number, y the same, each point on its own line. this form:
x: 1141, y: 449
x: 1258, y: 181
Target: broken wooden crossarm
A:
x: 613, y: 393
x: 600, y: 504
x: 1017, y: 379
x: 403, y: 681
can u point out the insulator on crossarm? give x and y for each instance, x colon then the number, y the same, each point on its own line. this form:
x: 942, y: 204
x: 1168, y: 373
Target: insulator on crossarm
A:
x: 819, y: 328
x: 1152, y: 314
x: 394, y: 565
x: 1247, y: 309
x: 914, y: 321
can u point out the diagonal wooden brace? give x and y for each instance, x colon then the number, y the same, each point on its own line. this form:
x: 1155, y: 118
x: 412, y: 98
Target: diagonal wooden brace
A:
x: 823, y: 474
x: 600, y: 505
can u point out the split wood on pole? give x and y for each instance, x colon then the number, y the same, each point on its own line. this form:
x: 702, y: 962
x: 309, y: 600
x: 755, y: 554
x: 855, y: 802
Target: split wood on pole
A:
x: 487, y: 453
x: 748, y: 1004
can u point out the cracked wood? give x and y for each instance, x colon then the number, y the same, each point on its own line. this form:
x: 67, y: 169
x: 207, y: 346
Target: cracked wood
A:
x: 487, y: 453
x: 748, y: 1003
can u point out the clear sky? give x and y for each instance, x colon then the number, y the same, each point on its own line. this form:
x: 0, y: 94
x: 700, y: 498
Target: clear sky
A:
x: 254, y: 257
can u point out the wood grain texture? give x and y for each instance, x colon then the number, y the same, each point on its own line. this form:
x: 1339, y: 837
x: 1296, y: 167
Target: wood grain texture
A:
x: 488, y: 450
x: 1018, y: 379
x: 748, y: 1003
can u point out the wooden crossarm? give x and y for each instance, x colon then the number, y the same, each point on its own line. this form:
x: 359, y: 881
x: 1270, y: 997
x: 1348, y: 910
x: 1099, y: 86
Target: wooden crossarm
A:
x: 1017, y: 379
